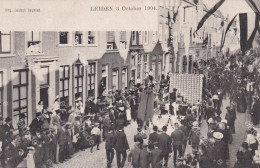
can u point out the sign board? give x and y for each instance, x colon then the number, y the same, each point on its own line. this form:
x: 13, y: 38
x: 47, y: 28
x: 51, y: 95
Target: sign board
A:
x: 188, y: 85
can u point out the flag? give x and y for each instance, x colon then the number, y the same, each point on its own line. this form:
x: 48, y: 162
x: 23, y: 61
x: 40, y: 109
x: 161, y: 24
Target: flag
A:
x: 224, y: 38
x: 175, y: 14
x: 245, y: 30
x: 210, y: 12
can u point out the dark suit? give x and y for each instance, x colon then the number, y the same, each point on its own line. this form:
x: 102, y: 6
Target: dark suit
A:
x: 144, y: 158
x: 134, y: 156
x: 121, y: 145
x: 156, y: 158
x: 109, y: 147
x: 36, y: 125
x: 61, y: 139
x: 7, y: 134
x: 177, y: 141
x: 152, y: 138
x: 12, y: 156
x: 185, y: 131
x: 164, y: 141
x: 173, y: 96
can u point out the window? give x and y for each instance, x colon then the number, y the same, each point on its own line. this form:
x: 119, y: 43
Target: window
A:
x: 1, y: 94
x: 92, y: 38
x: 111, y: 41
x: 134, y: 38
x: 140, y: 37
x: 91, y: 79
x: 64, y: 83
x: 34, y: 45
x: 115, y: 79
x: 139, y: 61
x: 79, y: 38
x: 124, y: 78
x: 159, y: 70
x: 153, y: 68
x: 154, y: 37
x: 20, y: 94
x: 146, y: 37
x: 161, y: 29
x: 65, y: 38
x: 133, y: 61
x: 123, y: 40
x: 78, y: 81
x: 5, y: 42
x: 145, y: 65
x: 166, y: 30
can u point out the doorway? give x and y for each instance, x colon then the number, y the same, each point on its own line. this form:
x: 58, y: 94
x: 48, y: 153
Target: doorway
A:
x: 44, y: 97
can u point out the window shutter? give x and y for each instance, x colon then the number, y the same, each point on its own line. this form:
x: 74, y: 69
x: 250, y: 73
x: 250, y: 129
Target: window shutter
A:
x: 110, y: 36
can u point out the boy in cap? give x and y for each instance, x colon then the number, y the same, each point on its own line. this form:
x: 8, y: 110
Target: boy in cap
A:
x: 95, y: 132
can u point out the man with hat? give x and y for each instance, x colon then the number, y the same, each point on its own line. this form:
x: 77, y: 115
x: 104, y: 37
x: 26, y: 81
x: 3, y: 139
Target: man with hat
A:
x: 173, y: 95
x: 219, y: 150
x: 156, y: 156
x: 153, y: 137
x: 145, y: 159
x: 109, y: 146
x: 36, y: 123
x: 61, y: 140
x: 89, y: 106
x: 164, y: 141
x: 194, y: 136
x: 177, y: 141
x: 121, y: 145
x: 8, y: 131
x: 95, y: 132
x: 134, y: 155
x: 21, y: 124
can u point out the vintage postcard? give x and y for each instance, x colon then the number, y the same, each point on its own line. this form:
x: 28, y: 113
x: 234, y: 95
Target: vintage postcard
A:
x: 129, y: 83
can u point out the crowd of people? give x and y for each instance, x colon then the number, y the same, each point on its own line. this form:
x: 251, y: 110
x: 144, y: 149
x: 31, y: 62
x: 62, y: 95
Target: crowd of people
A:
x: 56, y: 134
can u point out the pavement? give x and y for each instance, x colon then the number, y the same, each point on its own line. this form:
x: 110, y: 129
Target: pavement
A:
x: 97, y: 159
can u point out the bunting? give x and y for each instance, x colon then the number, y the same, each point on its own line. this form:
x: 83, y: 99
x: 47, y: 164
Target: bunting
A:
x: 208, y: 14
x: 228, y: 27
x: 175, y: 14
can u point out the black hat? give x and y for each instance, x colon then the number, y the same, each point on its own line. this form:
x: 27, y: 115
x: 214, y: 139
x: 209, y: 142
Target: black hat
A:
x: 8, y: 119
x: 38, y: 114
x: 174, y: 89
x: 155, y: 128
x: 22, y: 115
x: 245, y: 145
x: 58, y: 111
x: 164, y: 128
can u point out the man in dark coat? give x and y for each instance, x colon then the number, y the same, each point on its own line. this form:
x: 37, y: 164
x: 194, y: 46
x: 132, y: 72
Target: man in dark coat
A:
x: 153, y: 137
x: 133, y: 105
x: 61, y: 139
x: 109, y: 146
x: 156, y: 156
x: 210, y: 112
x: 89, y: 106
x: 164, y: 141
x: 186, y: 132
x: 121, y: 145
x: 177, y: 141
x: 134, y: 155
x: 144, y: 157
x: 36, y: 124
x: 173, y: 95
x: 8, y: 131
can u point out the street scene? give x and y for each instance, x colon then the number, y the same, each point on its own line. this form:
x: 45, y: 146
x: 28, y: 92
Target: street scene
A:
x: 184, y: 96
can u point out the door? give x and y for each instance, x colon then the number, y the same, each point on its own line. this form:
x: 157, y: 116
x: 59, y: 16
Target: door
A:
x: 44, y: 97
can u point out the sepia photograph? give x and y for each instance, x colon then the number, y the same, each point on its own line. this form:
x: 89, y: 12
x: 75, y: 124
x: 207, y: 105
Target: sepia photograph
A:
x: 150, y: 84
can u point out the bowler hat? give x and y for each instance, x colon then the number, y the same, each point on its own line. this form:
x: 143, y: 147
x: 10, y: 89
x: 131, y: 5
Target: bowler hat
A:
x: 38, y: 114
x: 8, y: 119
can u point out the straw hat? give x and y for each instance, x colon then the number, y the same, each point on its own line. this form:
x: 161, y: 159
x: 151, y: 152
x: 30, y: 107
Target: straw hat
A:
x: 218, y: 135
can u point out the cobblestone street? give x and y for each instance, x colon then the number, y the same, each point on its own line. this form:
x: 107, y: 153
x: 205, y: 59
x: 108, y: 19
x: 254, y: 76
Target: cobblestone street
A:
x: 97, y: 159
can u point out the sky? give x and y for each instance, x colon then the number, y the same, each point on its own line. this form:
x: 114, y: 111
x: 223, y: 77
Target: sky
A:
x: 231, y: 7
